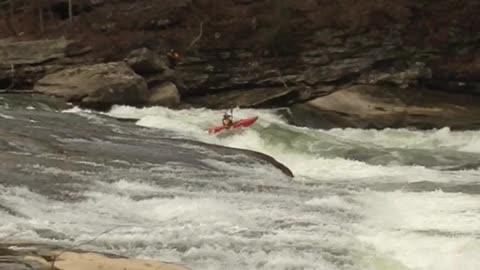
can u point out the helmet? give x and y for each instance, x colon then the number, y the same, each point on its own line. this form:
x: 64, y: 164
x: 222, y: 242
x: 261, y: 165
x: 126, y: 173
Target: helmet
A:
x: 229, y: 114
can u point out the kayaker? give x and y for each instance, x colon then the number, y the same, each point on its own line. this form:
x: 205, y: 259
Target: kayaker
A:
x: 227, y: 120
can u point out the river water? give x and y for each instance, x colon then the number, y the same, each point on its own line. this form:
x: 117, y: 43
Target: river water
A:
x: 392, y: 199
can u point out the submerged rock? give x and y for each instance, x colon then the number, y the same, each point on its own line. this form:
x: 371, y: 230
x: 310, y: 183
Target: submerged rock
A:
x: 96, y: 85
x: 263, y: 158
x: 31, y: 256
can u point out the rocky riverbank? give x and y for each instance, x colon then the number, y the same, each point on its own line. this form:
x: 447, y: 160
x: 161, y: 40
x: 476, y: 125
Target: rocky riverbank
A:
x: 260, y: 54
x: 35, y: 256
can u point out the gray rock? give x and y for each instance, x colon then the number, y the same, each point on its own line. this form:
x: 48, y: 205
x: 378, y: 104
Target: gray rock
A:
x: 30, y: 256
x: 165, y: 94
x: 403, y: 78
x: 16, y: 266
x: 100, y: 84
x: 145, y: 61
x: 363, y: 106
x: 337, y: 70
x: 317, y: 57
x: 32, y: 52
x: 168, y: 75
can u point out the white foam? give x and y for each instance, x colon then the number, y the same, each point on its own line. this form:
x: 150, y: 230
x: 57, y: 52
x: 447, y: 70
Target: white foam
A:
x: 6, y: 116
x: 193, y: 123
x: 298, y: 226
x: 330, y: 202
x: 468, y: 141
x: 433, y: 230
x: 75, y: 109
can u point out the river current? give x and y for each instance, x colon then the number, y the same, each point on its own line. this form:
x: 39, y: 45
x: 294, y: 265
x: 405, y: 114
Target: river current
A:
x: 133, y: 182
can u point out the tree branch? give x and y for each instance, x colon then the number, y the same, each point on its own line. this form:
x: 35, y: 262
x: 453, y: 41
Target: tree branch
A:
x: 282, y: 80
x: 198, y: 37
x: 84, y: 243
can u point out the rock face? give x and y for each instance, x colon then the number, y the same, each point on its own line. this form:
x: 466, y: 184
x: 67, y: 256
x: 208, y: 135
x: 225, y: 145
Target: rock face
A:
x: 24, y: 62
x: 32, y: 52
x: 165, y: 94
x: 380, y: 107
x: 279, y: 53
x: 19, y: 256
x: 100, y: 84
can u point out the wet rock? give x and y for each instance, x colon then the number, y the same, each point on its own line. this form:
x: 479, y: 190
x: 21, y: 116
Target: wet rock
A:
x: 387, y: 107
x: 263, y: 158
x: 144, y: 61
x: 96, y: 85
x: 30, y: 256
x: 165, y: 94
x: 13, y: 265
x: 50, y: 234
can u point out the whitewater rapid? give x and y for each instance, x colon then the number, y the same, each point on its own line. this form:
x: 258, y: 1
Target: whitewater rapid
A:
x: 392, y: 199
x: 394, y: 178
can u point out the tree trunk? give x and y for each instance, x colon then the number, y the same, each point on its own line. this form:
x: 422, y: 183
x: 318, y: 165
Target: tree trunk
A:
x: 70, y: 11
x: 12, y: 8
x: 8, y: 20
x: 40, y: 17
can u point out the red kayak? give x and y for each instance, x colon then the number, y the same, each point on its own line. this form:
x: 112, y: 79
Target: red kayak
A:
x: 239, y: 124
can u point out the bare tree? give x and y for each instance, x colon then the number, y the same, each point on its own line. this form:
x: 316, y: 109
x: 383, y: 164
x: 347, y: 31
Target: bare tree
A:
x: 40, y: 19
x: 70, y: 11
x: 9, y: 15
x: 11, y: 7
x: 198, y: 37
x: 38, y: 8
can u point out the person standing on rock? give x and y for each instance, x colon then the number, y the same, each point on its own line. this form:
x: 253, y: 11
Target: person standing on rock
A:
x: 173, y: 58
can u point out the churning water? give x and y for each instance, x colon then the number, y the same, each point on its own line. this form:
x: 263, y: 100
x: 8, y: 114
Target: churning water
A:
x: 360, y: 199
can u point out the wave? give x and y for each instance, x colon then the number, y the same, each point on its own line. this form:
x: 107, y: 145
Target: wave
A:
x: 324, y: 154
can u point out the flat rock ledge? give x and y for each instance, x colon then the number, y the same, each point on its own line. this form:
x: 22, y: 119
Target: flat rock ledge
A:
x: 30, y: 256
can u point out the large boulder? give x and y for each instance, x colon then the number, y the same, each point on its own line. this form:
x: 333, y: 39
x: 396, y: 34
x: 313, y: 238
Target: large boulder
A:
x: 96, y: 85
x: 165, y: 94
x: 24, y: 62
x: 383, y: 107
x: 144, y: 61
